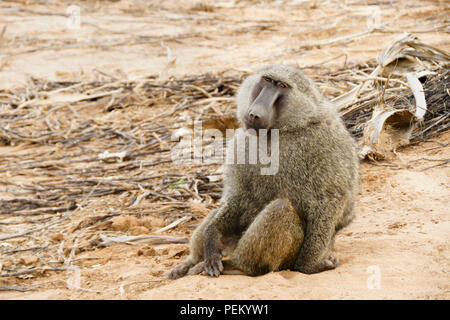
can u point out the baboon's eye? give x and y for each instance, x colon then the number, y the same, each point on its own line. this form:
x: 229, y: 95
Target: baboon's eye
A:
x: 281, y: 84
x: 269, y: 80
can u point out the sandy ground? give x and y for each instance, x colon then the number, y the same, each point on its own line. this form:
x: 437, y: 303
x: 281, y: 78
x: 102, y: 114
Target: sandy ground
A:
x: 396, y: 248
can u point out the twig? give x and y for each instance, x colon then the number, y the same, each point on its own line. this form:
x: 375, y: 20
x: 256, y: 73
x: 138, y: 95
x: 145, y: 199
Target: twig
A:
x: 436, y: 165
x: 17, y: 288
x: 174, y: 224
x: 150, y: 239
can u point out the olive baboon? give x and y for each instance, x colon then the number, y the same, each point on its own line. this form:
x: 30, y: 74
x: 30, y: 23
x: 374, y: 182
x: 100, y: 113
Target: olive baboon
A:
x: 287, y: 220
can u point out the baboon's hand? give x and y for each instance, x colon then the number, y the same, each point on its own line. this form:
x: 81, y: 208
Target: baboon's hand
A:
x: 328, y: 263
x: 213, y: 264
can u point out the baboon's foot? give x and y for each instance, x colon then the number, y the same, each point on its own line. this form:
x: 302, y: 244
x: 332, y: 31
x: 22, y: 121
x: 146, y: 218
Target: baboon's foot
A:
x: 327, y: 263
x: 330, y: 262
x: 178, y: 271
x: 228, y: 269
x: 197, y: 269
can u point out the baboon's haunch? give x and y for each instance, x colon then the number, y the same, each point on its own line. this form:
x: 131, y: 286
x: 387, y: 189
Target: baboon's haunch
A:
x: 287, y: 220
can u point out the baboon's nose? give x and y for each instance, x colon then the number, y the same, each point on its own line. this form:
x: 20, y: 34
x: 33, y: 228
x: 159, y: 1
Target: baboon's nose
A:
x: 253, y: 116
x: 255, y: 120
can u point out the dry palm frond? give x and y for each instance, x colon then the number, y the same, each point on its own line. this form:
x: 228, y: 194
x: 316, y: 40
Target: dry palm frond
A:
x: 404, y: 61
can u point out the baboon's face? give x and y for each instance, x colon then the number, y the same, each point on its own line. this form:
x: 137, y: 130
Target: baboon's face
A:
x: 266, y: 101
x: 278, y: 97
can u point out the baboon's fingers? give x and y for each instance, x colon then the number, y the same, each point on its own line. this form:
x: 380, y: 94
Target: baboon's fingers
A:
x: 213, y: 266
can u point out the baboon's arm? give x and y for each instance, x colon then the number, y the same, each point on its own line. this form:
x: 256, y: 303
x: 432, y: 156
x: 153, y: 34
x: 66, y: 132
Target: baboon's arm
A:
x: 223, y: 223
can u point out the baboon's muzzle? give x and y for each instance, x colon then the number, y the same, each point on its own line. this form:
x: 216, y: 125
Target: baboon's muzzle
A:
x: 261, y: 111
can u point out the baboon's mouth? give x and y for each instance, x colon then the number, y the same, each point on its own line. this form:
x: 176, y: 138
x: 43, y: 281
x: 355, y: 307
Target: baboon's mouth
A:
x: 255, y: 128
x: 254, y: 125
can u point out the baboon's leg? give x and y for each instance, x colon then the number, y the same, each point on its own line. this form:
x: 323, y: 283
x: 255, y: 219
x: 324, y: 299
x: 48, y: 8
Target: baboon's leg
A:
x: 195, y: 252
x: 316, y: 252
x: 271, y: 242
x: 347, y: 217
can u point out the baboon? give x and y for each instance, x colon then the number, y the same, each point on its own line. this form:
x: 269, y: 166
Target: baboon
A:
x: 287, y: 220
